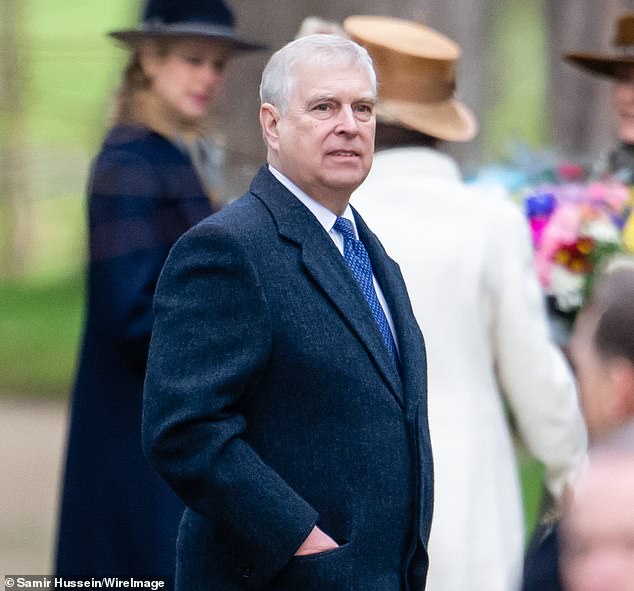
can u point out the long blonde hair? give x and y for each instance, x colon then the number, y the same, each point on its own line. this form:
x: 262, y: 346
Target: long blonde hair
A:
x: 134, y: 80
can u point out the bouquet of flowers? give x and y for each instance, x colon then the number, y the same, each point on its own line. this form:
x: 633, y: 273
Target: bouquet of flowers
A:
x: 577, y: 224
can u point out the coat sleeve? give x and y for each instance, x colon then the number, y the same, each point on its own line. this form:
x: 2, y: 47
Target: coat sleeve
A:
x: 128, y: 247
x: 211, y: 342
x: 533, y: 373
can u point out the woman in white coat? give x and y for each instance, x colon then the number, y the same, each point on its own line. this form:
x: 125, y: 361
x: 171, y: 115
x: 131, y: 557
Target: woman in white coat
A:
x: 466, y: 259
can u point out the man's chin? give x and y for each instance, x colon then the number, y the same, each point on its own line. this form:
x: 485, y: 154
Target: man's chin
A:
x: 347, y: 181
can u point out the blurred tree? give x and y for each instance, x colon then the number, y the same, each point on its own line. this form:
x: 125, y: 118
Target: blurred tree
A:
x: 15, y: 195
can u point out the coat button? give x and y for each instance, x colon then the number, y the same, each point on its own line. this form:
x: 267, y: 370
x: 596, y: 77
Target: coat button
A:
x: 245, y: 573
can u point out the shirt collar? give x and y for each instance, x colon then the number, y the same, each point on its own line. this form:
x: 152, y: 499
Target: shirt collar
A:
x: 324, y: 216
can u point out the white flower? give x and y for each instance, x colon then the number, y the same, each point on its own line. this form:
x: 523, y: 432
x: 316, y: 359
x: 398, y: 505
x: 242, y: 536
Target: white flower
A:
x: 602, y: 231
x: 566, y: 287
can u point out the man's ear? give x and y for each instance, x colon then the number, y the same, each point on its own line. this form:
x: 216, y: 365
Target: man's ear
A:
x: 269, y: 120
x: 622, y: 378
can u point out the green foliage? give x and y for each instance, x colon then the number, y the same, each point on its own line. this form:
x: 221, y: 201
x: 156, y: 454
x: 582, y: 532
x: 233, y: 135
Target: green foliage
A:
x: 521, y: 67
x: 601, y: 255
x: 69, y: 67
x: 532, y: 478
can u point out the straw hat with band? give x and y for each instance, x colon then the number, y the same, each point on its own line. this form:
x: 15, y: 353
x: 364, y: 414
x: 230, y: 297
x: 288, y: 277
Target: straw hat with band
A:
x: 416, y: 70
x: 211, y: 19
x: 610, y: 65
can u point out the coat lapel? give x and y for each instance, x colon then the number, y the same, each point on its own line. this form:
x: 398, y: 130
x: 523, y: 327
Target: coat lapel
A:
x: 323, y: 262
x: 412, y: 354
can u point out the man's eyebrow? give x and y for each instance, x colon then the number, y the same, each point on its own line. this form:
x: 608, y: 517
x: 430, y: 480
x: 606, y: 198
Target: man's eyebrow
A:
x: 322, y: 97
x: 332, y: 97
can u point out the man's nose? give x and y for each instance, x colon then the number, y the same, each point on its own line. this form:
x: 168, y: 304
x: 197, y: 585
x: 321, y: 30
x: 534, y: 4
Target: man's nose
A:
x: 347, y: 121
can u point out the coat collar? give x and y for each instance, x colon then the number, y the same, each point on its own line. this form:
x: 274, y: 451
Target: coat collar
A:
x: 324, y: 263
x: 418, y: 161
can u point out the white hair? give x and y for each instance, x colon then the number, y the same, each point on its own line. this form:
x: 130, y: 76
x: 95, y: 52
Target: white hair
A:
x: 278, y: 77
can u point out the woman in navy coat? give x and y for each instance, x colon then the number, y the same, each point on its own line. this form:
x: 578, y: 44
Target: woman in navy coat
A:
x: 149, y: 184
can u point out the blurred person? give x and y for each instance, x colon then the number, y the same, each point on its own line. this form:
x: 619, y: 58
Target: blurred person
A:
x: 150, y: 182
x: 467, y: 262
x: 285, y: 398
x: 617, y: 67
x: 597, y: 528
x: 602, y: 352
x: 314, y: 25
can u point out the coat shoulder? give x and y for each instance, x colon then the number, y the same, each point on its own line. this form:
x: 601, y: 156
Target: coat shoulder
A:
x: 142, y: 142
x: 245, y: 222
x: 137, y: 162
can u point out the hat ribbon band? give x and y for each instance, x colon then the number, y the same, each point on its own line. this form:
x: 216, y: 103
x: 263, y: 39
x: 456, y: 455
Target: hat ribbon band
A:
x: 192, y: 28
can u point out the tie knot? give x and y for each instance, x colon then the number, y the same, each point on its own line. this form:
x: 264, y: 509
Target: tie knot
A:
x: 344, y: 227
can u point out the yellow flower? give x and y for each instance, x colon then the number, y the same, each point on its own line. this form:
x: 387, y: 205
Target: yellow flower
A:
x: 628, y: 233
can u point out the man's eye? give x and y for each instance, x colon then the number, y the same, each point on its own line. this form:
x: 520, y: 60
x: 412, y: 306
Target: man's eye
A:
x: 322, y: 107
x: 364, y: 112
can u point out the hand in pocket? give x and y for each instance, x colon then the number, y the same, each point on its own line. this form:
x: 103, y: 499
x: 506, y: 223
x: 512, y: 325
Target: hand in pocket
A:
x: 316, y: 542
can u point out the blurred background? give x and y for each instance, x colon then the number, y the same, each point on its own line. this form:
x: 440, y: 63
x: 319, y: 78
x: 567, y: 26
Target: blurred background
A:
x: 58, y: 72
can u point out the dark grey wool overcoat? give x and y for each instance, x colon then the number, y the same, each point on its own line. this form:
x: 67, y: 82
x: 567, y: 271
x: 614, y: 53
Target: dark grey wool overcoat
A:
x: 271, y: 405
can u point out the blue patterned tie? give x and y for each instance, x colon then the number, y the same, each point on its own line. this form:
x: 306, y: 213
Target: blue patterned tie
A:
x: 359, y: 262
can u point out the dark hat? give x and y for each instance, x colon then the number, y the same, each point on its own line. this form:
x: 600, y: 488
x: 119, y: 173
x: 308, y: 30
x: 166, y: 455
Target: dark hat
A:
x: 211, y: 19
x: 610, y: 65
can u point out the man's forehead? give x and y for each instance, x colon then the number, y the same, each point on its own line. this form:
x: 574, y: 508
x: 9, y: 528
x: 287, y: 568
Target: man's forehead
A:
x: 343, y: 85
x: 325, y: 74
x: 325, y: 95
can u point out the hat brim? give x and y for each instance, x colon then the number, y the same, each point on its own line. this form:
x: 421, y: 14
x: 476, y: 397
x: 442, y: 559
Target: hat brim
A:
x: 132, y: 37
x: 609, y: 66
x: 448, y: 119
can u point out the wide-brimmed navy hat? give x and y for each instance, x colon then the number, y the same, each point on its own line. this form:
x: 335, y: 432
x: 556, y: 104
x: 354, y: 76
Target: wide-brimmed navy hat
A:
x: 211, y: 19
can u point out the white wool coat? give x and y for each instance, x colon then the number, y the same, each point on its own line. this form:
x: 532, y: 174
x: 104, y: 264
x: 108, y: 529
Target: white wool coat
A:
x: 467, y: 261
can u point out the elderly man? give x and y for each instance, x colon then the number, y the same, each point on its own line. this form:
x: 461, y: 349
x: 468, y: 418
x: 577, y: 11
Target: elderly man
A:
x: 285, y: 397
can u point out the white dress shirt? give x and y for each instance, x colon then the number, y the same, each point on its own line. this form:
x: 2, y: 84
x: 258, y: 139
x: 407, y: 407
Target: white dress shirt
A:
x: 327, y: 219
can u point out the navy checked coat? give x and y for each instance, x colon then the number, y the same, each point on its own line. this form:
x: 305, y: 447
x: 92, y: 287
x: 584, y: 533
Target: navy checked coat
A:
x: 117, y: 517
x: 271, y: 405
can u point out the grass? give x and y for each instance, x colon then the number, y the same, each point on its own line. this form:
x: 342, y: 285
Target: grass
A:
x: 68, y: 69
x: 40, y: 326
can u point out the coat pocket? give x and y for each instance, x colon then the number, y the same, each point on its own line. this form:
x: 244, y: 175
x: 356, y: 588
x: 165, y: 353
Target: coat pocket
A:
x: 331, y: 570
